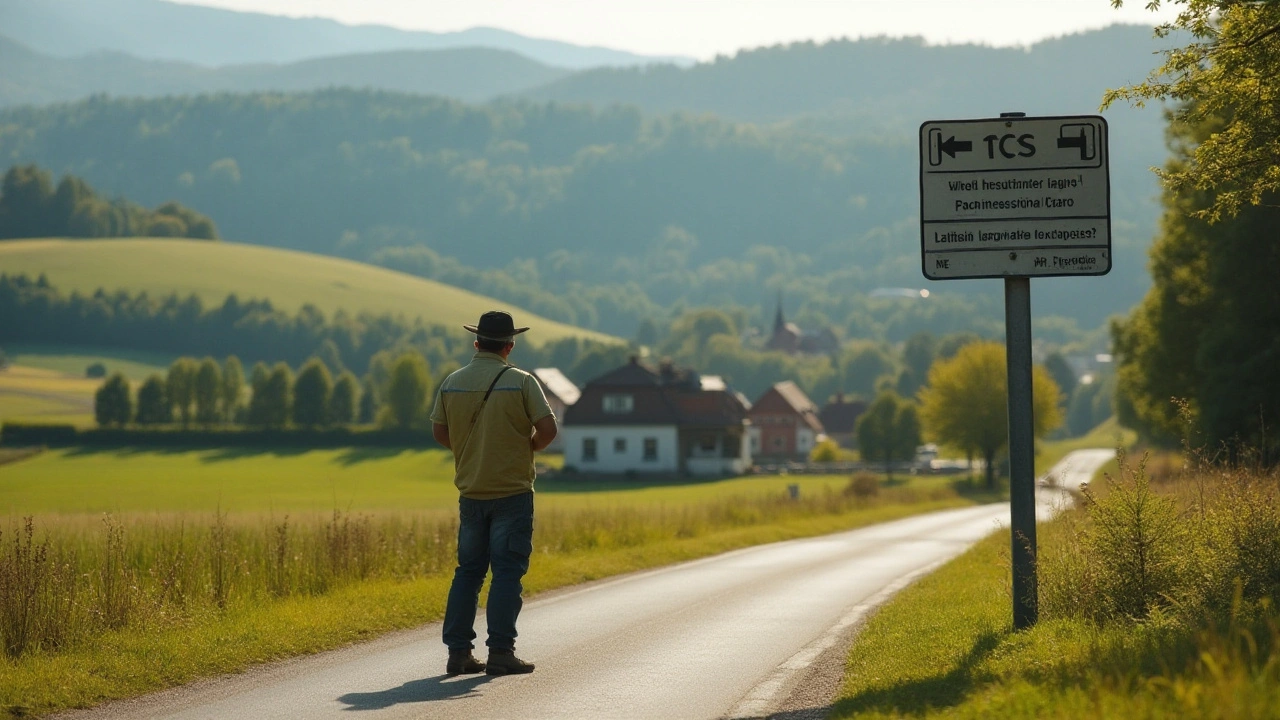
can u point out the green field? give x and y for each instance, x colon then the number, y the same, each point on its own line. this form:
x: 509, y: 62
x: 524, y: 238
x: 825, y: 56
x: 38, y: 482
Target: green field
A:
x: 359, y: 480
x: 30, y: 394
x: 289, y: 279
x: 73, y: 360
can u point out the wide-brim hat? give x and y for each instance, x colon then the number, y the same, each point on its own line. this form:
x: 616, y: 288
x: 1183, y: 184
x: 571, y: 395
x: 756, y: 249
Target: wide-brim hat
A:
x: 495, y: 325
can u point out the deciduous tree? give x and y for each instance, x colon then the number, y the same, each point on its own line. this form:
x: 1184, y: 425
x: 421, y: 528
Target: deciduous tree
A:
x: 208, y: 390
x: 232, y: 386
x: 154, y: 407
x: 342, y: 404
x: 112, y: 404
x: 1227, y: 70
x: 180, y: 387
x: 311, y: 394
x: 889, y: 431
x: 273, y: 398
x: 407, y: 392
x: 965, y: 403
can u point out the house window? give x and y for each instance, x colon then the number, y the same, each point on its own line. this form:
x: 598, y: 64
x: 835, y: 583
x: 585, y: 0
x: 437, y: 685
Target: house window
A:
x: 619, y: 445
x: 707, y: 443
x: 779, y: 442
x: 619, y: 404
x: 589, y: 449
x: 651, y: 449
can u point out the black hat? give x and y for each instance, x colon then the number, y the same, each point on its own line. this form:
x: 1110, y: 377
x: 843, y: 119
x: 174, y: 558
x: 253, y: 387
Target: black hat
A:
x: 495, y: 325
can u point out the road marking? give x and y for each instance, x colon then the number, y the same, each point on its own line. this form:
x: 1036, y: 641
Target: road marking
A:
x: 768, y: 693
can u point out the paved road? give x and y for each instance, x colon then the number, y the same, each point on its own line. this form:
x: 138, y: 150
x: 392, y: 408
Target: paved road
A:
x: 727, y: 636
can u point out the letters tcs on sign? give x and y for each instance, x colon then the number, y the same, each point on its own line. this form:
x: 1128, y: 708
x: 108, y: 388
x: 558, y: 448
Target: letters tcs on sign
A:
x: 1015, y: 197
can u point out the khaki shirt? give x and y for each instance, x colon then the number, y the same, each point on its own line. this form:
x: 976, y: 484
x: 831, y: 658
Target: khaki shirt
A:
x: 493, y: 459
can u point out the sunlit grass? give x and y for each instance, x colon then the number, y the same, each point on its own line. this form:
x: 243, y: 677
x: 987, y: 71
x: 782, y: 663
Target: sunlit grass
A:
x: 945, y: 647
x: 288, y: 278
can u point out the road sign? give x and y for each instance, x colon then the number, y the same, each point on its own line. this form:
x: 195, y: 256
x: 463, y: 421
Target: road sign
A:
x: 1015, y: 197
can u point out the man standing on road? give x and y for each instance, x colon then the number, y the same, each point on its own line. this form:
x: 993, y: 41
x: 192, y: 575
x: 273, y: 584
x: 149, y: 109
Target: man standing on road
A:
x: 494, y: 417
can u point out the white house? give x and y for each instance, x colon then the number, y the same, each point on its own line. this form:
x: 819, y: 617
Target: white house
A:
x: 645, y: 419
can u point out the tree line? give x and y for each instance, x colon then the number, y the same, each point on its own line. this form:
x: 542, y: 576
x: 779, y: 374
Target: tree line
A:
x: 31, y: 206
x: 602, y: 217
x: 394, y: 394
x: 36, y: 312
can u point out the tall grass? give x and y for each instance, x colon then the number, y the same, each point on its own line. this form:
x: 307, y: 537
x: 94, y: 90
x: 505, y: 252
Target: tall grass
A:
x: 66, y: 581
x: 1195, y: 540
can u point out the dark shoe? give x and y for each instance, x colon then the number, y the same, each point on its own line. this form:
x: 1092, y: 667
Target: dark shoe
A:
x: 505, y: 662
x: 463, y: 663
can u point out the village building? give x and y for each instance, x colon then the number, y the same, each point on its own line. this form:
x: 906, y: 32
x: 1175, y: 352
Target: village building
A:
x: 642, y: 418
x: 784, y: 424
x: 787, y: 337
x: 561, y: 394
x: 840, y: 419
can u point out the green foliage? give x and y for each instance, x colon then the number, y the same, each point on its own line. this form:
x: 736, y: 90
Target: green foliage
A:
x: 1206, y: 332
x: 180, y: 387
x: 1225, y: 71
x: 801, y: 207
x: 342, y: 403
x: 112, y: 403
x: 208, y: 391
x: 966, y: 403
x: 312, y: 395
x: 154, y: 407
x: 36, y: 312
x: 95, y: 371
x: 272, y: 398
x: 825, y: 451
x: 1062, y: 374
x: 31, y: 207
x: 232, y: 387
x: 407, y: 393
x: 889, y: 431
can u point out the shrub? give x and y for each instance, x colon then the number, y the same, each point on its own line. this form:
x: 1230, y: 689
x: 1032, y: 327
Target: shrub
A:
x: 825, y: 451
x: 96, y: 371
x: 863, y: 485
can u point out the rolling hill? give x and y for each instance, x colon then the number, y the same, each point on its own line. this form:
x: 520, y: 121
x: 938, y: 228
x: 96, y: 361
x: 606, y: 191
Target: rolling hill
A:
x: 473, y: 74
x: 289, y: 279
x: 158, y: 30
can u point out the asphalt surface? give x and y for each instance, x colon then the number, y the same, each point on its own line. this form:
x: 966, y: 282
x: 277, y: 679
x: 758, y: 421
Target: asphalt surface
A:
x: 731, y: 636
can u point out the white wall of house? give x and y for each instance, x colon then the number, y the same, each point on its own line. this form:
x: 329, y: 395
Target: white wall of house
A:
x: 805, y: 439
x: 619, y: 448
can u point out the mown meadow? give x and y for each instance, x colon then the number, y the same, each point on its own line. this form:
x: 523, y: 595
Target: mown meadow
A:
x: 1156, y: 601
x: 126, y: 571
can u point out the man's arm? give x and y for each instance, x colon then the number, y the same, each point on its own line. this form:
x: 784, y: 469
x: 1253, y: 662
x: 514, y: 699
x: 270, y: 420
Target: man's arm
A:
x: 544, y: 431
x: 441, y: 433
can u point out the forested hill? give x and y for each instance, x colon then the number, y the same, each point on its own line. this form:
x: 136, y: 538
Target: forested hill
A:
x: 184, y: 32
x: 473, y: 74
x: 649, y: 210
x: 882, y: 84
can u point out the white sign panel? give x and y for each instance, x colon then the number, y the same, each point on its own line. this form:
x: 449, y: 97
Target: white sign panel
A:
x: 1015, y: 196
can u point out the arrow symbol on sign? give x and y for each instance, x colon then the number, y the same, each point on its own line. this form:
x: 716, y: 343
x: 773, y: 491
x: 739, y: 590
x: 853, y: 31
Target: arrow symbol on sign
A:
x: 1074, y: 142
x: 952, y: 146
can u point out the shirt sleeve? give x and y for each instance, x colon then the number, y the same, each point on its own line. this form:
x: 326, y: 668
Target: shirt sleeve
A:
x: 437, y: 411
x: 535, y: 402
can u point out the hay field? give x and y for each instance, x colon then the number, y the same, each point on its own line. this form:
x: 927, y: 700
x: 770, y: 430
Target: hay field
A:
x: 288, y: 278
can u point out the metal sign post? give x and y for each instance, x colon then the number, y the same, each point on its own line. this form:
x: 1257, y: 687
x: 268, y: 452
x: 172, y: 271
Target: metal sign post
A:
x: 1016, y: 197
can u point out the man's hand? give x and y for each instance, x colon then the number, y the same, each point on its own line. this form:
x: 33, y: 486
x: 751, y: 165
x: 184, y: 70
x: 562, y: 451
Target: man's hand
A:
x: 544, y: 431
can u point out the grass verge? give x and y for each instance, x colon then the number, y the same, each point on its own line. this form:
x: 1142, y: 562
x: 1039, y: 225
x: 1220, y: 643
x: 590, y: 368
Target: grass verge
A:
x: 945, y: 648
x: 151, y: 653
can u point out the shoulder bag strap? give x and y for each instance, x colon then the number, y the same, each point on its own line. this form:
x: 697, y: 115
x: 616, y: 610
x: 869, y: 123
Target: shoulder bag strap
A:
x: 476, y: 416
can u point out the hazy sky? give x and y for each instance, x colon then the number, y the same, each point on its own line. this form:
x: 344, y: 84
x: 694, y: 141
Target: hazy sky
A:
x: 705, y: 28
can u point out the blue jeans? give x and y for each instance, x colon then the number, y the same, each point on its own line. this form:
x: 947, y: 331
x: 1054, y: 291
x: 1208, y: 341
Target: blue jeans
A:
x: 491, y: 533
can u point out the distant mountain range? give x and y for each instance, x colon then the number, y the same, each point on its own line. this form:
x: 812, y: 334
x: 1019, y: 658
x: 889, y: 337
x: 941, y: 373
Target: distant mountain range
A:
x: 156, y: 30
x: 471, y: 74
